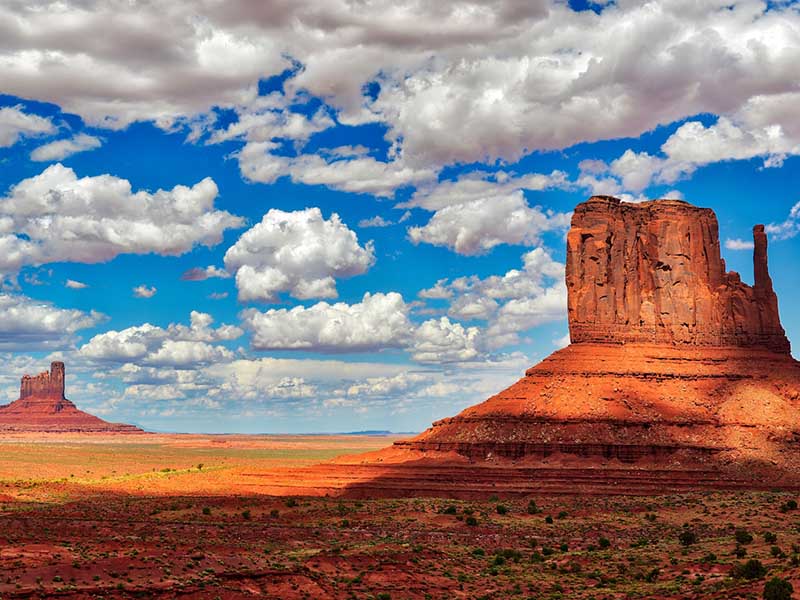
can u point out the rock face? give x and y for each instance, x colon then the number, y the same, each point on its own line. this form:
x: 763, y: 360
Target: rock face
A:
x: 42, y: 406
x: 653, y: 273
x: 679, y: 376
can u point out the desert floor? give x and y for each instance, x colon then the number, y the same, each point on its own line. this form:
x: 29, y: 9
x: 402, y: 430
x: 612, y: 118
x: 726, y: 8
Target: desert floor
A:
x: 184, y: 516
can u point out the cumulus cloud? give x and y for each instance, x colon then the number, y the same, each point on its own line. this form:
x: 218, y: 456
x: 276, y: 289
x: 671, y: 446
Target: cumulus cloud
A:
x: 477, y: 185
x: 477, y: 226
x: 362, y: 175
x: 15, y: 124
x: 441, y: 341
x: 28, y: 324
x: 142, y: 291
x: 458, y: 82
x: 376, y: 221
x: 266, y: 119
x: 297, y: 252
x: 511, y: 303
x: 788, y: 228
x: 61, y: 149
x: 176, y: 346
x: 203, y: 273
x: 760, y: 129
x: 378, y: 321
x: 75, y: 285
x: 56, y: 217
x: 738, y: 244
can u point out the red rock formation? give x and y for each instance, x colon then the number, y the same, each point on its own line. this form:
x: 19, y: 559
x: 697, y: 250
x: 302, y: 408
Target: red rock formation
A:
x: 653, y: 273
x: 42, y: 406
x: 679, y: 376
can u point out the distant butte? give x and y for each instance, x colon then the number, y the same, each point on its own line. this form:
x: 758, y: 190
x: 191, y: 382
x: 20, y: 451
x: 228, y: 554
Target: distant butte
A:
x: 679, y: 376
x: 43, y: 407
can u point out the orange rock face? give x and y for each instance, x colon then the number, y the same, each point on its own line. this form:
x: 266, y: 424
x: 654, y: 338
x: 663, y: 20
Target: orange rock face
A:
x: 653, y: 273
x: 42, y: 406
x: 679, y: 376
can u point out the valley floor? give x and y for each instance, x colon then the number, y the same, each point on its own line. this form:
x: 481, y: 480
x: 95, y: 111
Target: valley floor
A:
x: 179, y: 517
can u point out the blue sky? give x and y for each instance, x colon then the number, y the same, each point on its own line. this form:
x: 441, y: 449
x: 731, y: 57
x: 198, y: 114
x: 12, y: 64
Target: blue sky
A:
x: 348, y: 216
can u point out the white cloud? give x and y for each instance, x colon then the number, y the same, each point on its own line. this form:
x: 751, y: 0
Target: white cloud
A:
x: 61, y: 149
x: 75, y: 285
x: 14, y: 124
x: 478, y: 185
x: 376, y: 221
x: 142, y: 291
x: 265, y: 119
x: 788, y: 228
x: 758, y: 130
x: 176, y: 346
x: 477, y: 226
x: 458, y: 81
x: 296, y: 252
x: 378, y: 321
x: 361, y: 175
x: 28, y: 324
x: 203, y: 273
x: 738, y: 244
x: 441, y: 341
x: 56, y: 217
x: 511, y: 303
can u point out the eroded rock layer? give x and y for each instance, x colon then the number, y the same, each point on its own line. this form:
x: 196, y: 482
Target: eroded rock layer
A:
x: 652, y: 272
x: 42, y: 406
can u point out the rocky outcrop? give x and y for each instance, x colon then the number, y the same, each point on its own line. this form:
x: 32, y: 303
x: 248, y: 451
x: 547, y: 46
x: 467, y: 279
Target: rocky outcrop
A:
x: 43, y: 407
x: 653, y: 273
x: 678, y: 377
x: 45, y: 384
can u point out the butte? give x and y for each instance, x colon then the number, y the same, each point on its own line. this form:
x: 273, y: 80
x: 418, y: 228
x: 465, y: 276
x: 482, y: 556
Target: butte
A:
x: 678, y: 376
x: 43, y: 407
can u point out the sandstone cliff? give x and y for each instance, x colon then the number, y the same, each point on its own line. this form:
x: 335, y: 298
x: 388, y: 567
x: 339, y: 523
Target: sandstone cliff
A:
x: 653, y: 272
x: 678, y: 376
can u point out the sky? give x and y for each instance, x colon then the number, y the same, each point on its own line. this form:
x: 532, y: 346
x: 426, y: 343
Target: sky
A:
x: 303, y: 216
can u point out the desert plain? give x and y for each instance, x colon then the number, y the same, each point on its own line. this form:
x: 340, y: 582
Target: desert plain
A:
x: 201, y: 516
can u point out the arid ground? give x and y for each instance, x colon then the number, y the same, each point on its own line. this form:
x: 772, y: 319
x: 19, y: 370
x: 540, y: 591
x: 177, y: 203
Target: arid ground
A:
x: 163, y: 516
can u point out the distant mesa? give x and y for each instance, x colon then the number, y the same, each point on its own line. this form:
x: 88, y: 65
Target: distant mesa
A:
x: 43, y: 407
x: 679, y: 376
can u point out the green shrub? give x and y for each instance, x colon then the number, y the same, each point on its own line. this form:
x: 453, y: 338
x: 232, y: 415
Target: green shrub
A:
x: 291, y: 503
x: 604, y: 542
x: 206, y: 510
x: 548, y: 519
x: 450, y: 510
x: 743, y: 536
x: 778, y: 589
x: 687, y: 537
x: 501, y: 509
x: 770, y: 538
x: 653, y: 575
x: 532, y: 508
x: 471, y: 521
x: 752, y: 569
